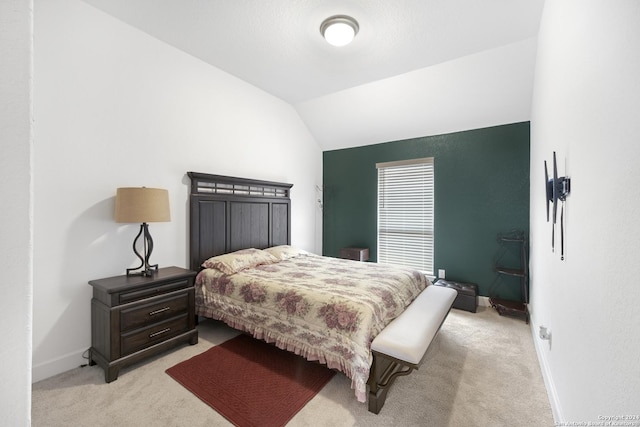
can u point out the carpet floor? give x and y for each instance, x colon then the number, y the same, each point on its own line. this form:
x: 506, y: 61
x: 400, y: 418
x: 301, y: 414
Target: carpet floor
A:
x: 481, y: 370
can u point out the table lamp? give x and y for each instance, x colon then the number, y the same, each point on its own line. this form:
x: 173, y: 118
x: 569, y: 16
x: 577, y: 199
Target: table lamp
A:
x: 142, y: 205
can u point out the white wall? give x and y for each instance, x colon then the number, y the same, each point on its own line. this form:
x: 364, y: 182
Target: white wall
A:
x: 16, y: 239
x: 115, y: 107
x: 586, y: 107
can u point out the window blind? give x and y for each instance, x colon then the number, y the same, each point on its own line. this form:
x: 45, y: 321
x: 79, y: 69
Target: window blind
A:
x: 406, y: 213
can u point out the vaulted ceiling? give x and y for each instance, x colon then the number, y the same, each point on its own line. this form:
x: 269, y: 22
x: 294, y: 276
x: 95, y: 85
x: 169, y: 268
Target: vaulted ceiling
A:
x: 416, y: 67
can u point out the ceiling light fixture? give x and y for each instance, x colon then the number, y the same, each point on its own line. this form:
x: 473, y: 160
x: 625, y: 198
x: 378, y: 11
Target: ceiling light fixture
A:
x: 339, y: 30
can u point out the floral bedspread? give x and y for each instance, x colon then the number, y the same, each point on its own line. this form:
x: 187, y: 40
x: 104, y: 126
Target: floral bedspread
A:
x: 325, y: 309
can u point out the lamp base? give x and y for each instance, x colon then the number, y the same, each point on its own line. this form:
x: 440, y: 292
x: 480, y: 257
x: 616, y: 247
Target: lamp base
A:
x: 144, y: 269
x: 149, y: 271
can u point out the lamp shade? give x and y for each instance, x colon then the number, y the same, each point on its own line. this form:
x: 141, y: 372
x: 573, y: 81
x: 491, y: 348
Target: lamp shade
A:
x: 141, y: 204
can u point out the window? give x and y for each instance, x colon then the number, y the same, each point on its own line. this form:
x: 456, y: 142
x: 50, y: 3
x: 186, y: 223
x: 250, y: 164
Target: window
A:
x: 405, y: 213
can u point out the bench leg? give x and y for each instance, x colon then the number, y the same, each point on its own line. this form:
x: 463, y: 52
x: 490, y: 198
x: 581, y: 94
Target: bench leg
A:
x: 381, y: 376
x: 377, y: 395
x: 376, y: 400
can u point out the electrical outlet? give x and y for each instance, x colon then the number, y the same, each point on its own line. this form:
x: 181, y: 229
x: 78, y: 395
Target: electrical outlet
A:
x: 545, y: 334
x: 441, y: 273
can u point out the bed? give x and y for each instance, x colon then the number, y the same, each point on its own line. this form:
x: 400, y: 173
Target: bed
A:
x: 326, y: 309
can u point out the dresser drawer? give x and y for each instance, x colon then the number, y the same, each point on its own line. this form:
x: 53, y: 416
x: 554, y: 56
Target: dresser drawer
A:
x: 150, y: 291
x: 158, y: 310
x: 139, y: 339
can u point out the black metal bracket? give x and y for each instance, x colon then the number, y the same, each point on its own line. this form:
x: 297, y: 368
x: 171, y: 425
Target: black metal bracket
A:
x: 556, y: 188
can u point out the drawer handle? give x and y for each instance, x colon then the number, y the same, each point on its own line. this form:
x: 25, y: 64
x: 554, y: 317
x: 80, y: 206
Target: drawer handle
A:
x: 155, y: 334
x: 153, y: 313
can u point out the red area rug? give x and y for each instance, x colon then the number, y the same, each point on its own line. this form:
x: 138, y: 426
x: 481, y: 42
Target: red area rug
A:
x: 250, y: 382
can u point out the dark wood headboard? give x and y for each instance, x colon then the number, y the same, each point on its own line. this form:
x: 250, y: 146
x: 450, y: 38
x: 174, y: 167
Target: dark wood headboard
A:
x: 228, y: 214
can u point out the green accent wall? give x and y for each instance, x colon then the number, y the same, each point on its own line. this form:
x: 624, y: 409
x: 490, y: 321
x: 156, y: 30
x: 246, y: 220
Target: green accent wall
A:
x: 481, y: 189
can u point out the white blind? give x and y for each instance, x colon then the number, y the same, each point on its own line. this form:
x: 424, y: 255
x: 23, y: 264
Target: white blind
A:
x: 405, y: 213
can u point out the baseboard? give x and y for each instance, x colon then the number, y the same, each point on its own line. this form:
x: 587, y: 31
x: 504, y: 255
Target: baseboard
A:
x: 58, y: 365
x: 546, y: 375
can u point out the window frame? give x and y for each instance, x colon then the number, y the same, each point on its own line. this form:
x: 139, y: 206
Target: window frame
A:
x: 406, y: 213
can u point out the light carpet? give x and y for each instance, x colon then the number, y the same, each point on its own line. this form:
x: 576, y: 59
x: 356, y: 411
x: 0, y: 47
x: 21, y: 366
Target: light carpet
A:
x: 481, y: 370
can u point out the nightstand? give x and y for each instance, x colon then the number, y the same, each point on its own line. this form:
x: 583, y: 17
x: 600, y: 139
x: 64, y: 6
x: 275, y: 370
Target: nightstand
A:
x: 356, y: 254
x: 134, y: 317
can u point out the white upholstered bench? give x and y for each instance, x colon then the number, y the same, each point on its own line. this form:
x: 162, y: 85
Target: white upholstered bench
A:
x: 401, y: 346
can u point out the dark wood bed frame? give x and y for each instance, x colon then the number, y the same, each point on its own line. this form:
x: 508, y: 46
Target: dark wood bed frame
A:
x: 228, y: 214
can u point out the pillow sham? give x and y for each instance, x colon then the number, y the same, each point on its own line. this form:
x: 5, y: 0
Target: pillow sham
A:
x: 283, y: 252
x: 239, y: 260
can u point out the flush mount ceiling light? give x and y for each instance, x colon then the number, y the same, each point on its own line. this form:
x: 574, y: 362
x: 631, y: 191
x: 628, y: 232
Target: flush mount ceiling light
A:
x: 339, y: 30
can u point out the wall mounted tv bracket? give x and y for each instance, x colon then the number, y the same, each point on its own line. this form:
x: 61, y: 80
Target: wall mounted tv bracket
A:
x: 556, y: 188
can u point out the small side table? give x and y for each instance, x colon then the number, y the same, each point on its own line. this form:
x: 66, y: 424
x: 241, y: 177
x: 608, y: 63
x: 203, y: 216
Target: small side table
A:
x: 134, y: 317
x: 356, y: 254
